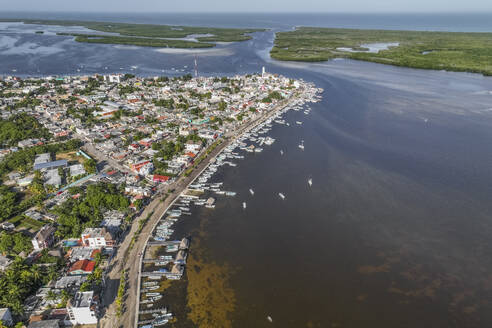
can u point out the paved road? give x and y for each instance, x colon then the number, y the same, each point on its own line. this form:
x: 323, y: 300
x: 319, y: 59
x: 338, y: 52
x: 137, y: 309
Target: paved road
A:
x: 131, y: 260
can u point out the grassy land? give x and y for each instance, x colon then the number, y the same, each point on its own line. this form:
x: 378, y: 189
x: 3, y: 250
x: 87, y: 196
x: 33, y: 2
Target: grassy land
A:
x: 126, y: 31
x: 452, y: 51
x: 138, y: 41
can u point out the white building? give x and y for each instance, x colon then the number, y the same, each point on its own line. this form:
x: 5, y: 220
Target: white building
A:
x: 81, y: 309
x: 112, y: 78
x: 97, y: 237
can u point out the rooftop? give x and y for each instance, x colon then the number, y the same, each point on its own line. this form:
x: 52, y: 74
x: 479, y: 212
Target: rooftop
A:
x: 82, y: 299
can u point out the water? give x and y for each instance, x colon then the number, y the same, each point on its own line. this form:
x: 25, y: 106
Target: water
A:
x: 395, y: 230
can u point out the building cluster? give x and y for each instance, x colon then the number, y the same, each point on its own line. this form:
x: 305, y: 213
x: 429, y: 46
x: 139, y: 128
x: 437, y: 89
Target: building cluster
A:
x: 144, y: 132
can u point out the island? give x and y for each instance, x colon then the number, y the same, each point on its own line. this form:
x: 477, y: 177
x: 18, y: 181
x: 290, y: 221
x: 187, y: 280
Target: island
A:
x: 147, y: 35
x: 451, y: 51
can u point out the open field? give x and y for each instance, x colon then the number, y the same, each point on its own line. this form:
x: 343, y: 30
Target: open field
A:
x: 452, y: 51
x: 149, y: 34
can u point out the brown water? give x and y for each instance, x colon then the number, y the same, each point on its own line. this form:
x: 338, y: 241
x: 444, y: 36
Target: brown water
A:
x: 394, y: 232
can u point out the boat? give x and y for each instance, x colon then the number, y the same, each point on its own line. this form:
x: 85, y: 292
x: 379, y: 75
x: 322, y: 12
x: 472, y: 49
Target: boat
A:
x: 244, y: 205
x: 299, y: 122
x: 310, y: 182
x: 281, y: 152
x: 230, y: 193
x: 251, y: 192
x: 301, y: 146
x: 209, y: 206
x: 281, y: 195
x: 269, y: 319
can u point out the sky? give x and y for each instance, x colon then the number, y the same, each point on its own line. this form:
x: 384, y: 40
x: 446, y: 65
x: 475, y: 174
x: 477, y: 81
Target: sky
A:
x: 194, y: 6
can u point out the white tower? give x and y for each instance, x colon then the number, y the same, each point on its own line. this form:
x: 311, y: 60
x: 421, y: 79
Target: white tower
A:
x: 263, y: 71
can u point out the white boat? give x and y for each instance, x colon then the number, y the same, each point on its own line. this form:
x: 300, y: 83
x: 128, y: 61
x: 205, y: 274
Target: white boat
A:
x: 301, y: 146
x: 281, y: 152
x: 281, y: 195
x: 310, y: 182
x: 251, y: 192
x: 269, y: 319
x: 244, y: 205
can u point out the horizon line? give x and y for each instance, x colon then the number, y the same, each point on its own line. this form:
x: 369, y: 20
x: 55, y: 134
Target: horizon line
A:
x: 481, y: 12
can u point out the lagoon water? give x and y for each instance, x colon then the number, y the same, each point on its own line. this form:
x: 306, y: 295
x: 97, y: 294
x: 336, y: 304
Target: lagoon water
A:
x: 396, y: 228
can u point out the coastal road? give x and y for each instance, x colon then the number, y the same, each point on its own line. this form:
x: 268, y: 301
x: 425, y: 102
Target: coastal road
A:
x: 129, y: 259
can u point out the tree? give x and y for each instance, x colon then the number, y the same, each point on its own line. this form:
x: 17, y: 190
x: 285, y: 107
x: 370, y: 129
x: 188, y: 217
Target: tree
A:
x: 90, y: 166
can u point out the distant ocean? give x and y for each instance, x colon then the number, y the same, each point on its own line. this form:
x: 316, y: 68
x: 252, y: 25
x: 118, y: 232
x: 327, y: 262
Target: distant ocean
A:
x: 462, y: 22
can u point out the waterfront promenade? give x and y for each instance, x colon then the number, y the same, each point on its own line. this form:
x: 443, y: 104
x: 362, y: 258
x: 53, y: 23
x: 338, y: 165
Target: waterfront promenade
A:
x: 129, y: 259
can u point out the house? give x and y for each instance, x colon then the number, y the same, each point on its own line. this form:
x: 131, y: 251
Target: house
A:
x: 82, y: 267
x: 66, y: 282
x: 4, y: 262
x: 6, y: 316
x: 160, y: 178
x: 45, y: 324
x: 50, y: 165
x: 81, y: 309
x: 76, y: 169
x: 97, y: 237
x: 43, y: 238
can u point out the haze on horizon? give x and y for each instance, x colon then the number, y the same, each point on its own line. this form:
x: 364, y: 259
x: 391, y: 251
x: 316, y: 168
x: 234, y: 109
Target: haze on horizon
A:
x: 257, y: 6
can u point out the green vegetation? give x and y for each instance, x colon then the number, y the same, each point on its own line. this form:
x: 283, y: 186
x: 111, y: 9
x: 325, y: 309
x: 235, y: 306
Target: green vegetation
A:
x: 14, y: 243
x: 87, y: 210
x: 138, y: 41
x: 197, y: 161
x: 121, y: 293
x: 90, y: 166
x: 19, y: 127
x: 21, y: 280
x: 148, y: 34
x: 470, y: 52
x: 141, y: 224
x: 23, y: 160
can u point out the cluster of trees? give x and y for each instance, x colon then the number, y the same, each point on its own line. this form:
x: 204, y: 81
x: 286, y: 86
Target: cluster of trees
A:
x: 87, y: 210
x: 90, y: 166
x: 274, y: 95
x: 201, y: 96
x: 124, y: 89
x: 21, y: 280
x: 27, y: 101
x: 8, y: 201
x: 14, y: 243
x: 19, y: 127
x: 166, y: 103
x: 92, y: 84
x: 95, y: 278
x: 121, y: 293
x: 84, y: 114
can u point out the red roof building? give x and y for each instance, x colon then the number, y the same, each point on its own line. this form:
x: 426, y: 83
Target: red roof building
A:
x: 160, y: 178
x: 82, y: 267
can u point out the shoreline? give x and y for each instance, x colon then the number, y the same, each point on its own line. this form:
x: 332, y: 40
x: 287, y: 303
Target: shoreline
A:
x: 230, y: 139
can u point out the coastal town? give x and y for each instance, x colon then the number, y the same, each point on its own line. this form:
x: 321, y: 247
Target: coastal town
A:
x: 97, y: 169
